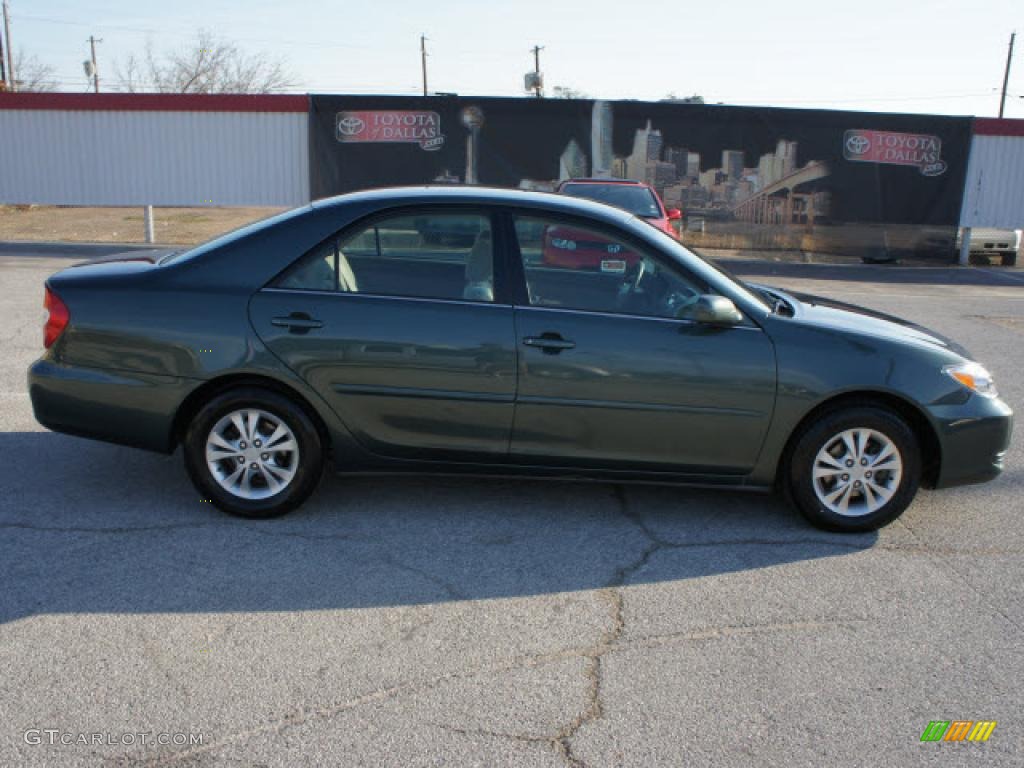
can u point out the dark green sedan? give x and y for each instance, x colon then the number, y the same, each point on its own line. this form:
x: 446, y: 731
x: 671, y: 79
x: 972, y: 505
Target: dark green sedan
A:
x: 356, y: 331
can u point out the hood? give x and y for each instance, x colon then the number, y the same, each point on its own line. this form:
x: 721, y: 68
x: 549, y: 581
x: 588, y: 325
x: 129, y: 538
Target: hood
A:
x: 841, y: 316
x: 659, y: 222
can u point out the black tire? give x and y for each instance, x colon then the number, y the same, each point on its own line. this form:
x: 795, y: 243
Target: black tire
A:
x: 799, y: 469
x: 310, y: 454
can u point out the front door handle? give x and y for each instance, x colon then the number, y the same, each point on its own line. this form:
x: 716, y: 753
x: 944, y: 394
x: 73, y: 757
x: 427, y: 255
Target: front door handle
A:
x: 549, y: 343
x: 297, y: 322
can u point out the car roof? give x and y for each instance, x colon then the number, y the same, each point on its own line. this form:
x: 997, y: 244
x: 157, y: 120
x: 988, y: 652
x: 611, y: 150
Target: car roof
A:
x: 390, y: 197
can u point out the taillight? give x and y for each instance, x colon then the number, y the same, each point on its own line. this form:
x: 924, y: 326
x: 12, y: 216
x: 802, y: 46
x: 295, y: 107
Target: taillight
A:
x: 57, y: 317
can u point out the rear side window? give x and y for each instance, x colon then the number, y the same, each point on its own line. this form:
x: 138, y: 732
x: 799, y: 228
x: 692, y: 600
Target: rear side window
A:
x: 430, y: 255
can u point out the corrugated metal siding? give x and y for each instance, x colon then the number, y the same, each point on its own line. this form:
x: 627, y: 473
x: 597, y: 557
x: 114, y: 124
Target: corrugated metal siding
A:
x: 994, y: 193
x: 154, y: 158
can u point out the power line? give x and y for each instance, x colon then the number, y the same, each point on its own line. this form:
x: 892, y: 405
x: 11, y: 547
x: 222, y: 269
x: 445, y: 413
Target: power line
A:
x: 187, y: 35
x: 472, y: 52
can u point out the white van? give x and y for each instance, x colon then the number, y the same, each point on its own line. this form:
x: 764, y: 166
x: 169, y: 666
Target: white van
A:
x: 986, y: 241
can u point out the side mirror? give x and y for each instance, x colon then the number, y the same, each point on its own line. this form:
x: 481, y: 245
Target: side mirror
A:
x: 674, y: 214
x: 716, y: 310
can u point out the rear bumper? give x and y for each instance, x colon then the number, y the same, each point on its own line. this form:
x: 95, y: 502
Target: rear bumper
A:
x: 973, y: 440
x: 135, y: 409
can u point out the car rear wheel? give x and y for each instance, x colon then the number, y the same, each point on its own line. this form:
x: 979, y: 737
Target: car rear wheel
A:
x: 253, y: 453
x: 855, y: 469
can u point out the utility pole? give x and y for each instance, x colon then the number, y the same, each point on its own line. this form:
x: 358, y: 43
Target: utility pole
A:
x: 536, y: 67
x: 3, y: 65
x: 10, y: 48
x: 95, y: 71
x: 423, y: 58
x: 1006, y: 74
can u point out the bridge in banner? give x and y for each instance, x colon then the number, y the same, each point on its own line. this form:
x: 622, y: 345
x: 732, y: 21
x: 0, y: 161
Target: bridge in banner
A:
x: 780, y: 202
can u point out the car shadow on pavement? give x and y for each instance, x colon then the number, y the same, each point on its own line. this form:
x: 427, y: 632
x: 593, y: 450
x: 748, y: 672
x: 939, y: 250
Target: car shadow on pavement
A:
x: 94, y: 528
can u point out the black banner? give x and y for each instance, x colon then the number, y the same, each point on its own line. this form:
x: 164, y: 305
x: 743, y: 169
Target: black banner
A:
x: 745, y: 178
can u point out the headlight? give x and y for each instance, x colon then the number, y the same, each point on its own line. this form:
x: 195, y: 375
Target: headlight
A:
x: 559, y: 242
x: 974, y: 377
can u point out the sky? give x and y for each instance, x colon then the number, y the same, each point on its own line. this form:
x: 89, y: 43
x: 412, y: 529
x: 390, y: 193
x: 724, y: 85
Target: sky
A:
x: 892, y: 56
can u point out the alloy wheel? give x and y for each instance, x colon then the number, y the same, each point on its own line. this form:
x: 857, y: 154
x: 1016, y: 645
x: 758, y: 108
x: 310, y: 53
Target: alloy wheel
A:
x: 252, y: 454
x: 856, y: 472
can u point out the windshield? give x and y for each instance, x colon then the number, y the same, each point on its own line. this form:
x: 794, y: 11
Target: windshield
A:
x: 639, y: 201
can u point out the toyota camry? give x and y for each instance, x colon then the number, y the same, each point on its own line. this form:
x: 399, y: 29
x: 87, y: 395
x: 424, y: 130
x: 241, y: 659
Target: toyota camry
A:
x: 422, y: 330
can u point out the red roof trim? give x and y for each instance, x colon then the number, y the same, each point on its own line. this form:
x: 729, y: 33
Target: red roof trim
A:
x: 155, y: 102
x: 993, y: 126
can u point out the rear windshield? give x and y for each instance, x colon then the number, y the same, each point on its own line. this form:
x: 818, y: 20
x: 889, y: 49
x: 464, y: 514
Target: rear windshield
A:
x: 231, y: 236
x: 639, y: 201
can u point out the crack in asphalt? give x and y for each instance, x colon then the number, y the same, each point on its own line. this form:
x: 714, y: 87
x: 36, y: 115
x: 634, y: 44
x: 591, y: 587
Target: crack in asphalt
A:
x: 593, y: 710
x: 127, y: 530
x: 593, y: 669
x: 959, y: 575
x: 116, y: 530
x: 450, y: 590
x: 153, y: 654
x: 593, y: 656
x: 610, y: 639
x: 657, y: 542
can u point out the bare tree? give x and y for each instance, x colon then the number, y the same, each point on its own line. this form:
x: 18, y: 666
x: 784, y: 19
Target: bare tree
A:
x: 565, y: 92
x: 31, y: 74
x: 211, y: 65
x: 672, y: 97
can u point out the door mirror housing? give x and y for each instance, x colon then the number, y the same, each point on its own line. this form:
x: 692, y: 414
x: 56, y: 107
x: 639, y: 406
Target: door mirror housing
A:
x: 674, y: 214
x: 716, y: 310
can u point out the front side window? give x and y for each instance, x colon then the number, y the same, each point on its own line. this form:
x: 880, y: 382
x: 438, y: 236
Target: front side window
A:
x: 573, y: 266
x: 430, y: 255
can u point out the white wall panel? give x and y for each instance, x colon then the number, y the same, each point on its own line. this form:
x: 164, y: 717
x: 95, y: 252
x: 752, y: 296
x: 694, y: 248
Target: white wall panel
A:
x: 108, y: 157
x: 994, y: 192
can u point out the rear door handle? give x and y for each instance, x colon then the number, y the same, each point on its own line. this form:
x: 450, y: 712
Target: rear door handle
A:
x: 297, y: 322
x: 549, y: 343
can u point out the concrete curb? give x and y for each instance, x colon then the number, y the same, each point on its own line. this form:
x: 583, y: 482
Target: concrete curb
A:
x: 72, y: 250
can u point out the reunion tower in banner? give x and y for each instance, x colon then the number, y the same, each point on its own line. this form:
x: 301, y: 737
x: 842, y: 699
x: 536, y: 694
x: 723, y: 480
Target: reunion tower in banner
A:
x: 601, y: 139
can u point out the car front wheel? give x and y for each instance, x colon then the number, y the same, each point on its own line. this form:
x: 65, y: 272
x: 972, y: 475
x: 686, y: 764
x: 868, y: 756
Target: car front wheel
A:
x: 253, y: 453
x: 855, y: 469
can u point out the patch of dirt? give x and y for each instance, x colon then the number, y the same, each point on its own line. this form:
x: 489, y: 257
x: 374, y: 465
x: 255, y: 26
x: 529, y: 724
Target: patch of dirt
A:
x: 185, y: 226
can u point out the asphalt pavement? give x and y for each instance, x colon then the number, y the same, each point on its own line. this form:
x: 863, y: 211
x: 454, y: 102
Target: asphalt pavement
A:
x: 433, y: 621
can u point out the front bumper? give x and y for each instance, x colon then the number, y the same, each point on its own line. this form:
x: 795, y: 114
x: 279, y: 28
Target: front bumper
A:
x: 973, y: 440
x: 135, y: 409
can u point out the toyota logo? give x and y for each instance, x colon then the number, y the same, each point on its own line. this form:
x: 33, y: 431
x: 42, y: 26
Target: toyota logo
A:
x: 350, y: 126
x: 857, y: 144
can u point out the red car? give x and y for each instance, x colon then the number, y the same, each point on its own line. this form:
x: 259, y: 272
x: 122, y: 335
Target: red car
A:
x: 566, y: 247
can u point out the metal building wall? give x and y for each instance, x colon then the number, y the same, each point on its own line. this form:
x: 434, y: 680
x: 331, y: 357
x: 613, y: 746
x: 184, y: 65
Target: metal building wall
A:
x: 182, y: 151
x: 994, y: 191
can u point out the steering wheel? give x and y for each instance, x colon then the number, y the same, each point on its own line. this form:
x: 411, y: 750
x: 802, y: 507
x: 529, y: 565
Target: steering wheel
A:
x: 641, y: 268
x: 680, y: 300
x: 629, y: 290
